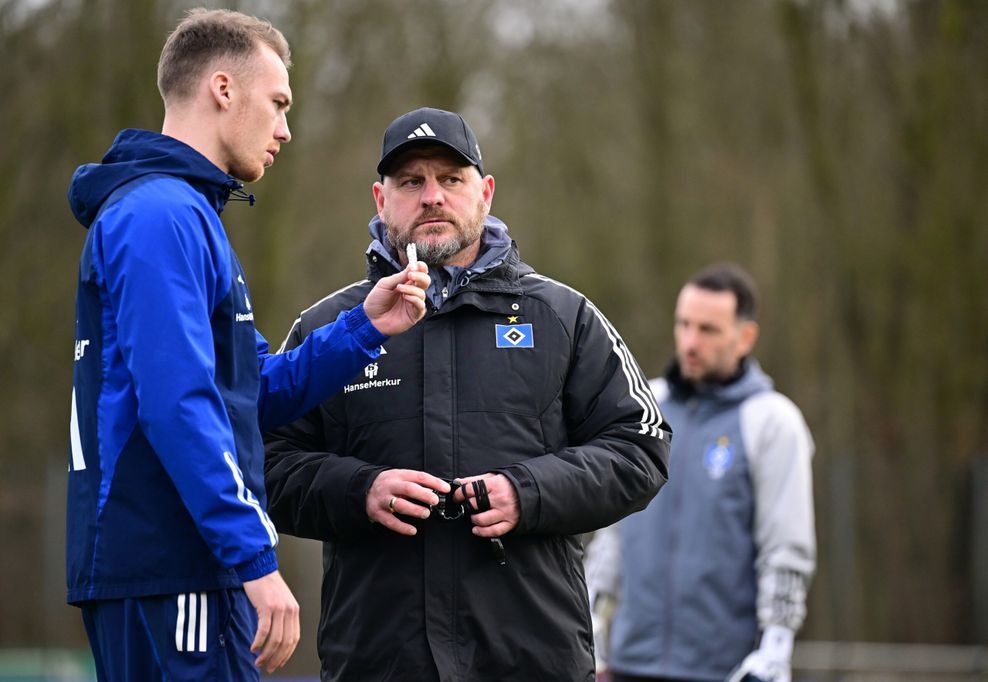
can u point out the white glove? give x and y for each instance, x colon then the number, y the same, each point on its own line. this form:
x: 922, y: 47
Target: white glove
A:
x: 601, y: 616
x: 770, y: 661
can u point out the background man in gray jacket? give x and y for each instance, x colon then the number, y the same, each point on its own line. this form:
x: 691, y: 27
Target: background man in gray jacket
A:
x: 712, y: 576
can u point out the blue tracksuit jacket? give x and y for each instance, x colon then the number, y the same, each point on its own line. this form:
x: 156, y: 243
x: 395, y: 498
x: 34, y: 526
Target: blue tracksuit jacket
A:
x: 172, y: 384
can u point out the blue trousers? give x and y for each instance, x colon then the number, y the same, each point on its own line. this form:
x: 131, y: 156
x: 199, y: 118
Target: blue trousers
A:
x: 196, y: 636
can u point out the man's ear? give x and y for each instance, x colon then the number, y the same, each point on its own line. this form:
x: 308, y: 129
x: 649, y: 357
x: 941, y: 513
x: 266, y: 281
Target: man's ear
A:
x: 488, y: 190
x: 378, y: 190
x: 221, y: 89
x: 749, y: 336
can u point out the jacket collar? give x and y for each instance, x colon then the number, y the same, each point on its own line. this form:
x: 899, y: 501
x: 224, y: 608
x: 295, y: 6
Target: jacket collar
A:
x: 136, y: 153
x: 748, y: 380
x: 497, y: 268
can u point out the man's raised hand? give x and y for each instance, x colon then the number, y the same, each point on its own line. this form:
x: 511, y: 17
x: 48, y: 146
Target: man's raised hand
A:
x: 398, y: 302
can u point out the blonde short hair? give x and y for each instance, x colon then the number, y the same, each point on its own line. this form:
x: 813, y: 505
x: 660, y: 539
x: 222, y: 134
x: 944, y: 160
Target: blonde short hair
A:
x: 204, y: 36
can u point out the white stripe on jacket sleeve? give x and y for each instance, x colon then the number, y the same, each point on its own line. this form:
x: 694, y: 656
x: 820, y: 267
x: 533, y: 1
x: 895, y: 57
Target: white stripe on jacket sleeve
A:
x: 247, y: 497
x: 78, y: 460
x: 637, y: 384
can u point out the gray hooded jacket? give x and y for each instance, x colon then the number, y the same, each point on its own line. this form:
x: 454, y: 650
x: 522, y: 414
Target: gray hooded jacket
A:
x: 728, y: 546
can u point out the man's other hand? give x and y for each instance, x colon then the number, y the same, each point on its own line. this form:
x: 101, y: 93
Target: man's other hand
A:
x: 504, y: 511
x: 278, y: 629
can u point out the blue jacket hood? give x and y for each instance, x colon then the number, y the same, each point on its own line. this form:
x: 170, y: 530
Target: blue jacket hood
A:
x: 135, y: 153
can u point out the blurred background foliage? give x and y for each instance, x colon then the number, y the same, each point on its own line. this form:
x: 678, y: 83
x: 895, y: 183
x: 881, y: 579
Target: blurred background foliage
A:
x: 836, y: 148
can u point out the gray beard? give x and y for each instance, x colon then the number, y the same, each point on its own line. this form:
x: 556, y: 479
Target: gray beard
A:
x: 439, y: 253
x: 433, y: 253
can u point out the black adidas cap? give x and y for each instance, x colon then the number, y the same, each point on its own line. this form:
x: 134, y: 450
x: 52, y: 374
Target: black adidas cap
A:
x: 433, y: 126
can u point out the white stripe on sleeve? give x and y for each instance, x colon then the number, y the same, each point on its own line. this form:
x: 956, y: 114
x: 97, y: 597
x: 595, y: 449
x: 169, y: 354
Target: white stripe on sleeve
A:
x: 298, y: 320
x: 638, y: 387
x: 247, y: 497
x: 78, y: 461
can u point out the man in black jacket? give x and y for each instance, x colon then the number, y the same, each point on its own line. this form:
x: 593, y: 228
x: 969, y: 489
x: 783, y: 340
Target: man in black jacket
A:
x: 515, y: 389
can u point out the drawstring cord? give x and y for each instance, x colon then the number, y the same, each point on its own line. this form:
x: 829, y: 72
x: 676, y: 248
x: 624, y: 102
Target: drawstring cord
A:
x: 241, y: 195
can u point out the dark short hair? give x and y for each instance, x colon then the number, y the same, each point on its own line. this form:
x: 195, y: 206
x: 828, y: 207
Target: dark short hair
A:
x: 730, y: 277
x: 202, y: 37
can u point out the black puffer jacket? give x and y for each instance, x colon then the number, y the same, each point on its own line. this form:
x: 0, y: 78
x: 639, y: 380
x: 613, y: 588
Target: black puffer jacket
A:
x: 568, y: 418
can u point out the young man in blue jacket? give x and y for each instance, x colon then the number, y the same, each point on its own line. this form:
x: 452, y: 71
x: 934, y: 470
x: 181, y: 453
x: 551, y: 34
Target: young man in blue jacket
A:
x: 712, y: 576
x: 170, y: 551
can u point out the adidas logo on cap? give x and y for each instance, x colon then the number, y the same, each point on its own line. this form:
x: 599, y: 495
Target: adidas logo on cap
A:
x: 430, y: 126
x: 422, y: 131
